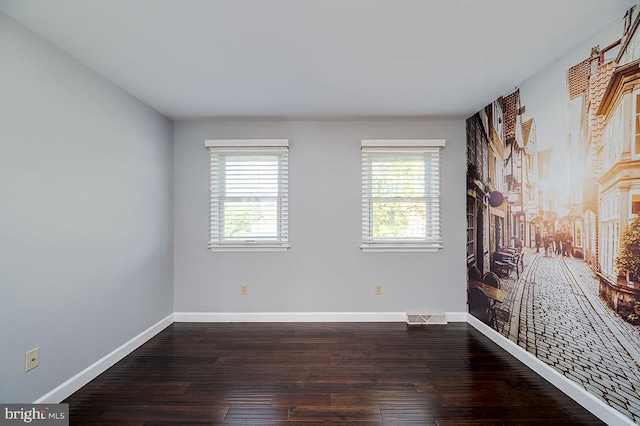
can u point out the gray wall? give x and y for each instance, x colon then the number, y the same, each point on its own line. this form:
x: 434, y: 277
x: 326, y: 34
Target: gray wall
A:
x: 85, y: 215
x: 324, y: 270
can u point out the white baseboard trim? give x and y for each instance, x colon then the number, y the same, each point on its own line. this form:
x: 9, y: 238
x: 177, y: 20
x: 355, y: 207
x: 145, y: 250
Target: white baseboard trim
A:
x: 290, y: 317
x: 456, y: 316
x: 597, y: 407
x: 304, y: 316
x: 94, y: 370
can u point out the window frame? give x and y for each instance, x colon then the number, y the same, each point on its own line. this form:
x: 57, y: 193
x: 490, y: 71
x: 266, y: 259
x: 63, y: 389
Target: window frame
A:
x: 609, y: 233
x: 471, y: 230
x: 633, y: 193
x: 635, y: 139
x: 223, y: 148
x: 433, y: 243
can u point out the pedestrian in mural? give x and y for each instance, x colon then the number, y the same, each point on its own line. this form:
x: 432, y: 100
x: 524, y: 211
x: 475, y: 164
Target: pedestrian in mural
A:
x: 547, y: 240
x: 568, y: 244
x: 557, y: 239
x: 537, y: 241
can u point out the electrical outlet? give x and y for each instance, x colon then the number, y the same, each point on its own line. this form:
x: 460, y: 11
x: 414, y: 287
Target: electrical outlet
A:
x: 378, y: 290
x: 32, y: 359
x: 244, y: 289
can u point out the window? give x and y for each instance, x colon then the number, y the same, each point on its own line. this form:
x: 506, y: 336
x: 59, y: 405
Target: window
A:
x: 401, y: 195
x: 499, y: 175
x: 471, y: 231
x: 477, y: 147
x: 609, y: 233
x: 612, y: 139
x: 610, y: 53
x: 497, y: 118
x: 578, y: 240
x: 635, y: 204
x: 249, y: 195
x: 636, y: 139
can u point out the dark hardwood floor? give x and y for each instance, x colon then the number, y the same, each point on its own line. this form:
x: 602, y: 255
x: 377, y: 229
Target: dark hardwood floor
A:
x: 322, y: 373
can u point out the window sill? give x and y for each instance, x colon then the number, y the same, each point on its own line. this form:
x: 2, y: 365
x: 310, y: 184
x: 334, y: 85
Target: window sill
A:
x: 248, y: 248
x: 399, y: 249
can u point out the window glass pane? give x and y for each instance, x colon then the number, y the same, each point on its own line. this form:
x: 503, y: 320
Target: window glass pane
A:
x: 400, y: 177
x: 635, y: 204
x: 637, y: 135
x: 250, y: 186
x: 399, y: 219
x: 250, y: 219
x: 610, y: 55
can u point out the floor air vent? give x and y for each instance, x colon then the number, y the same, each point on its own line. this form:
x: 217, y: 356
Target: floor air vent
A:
x: 426, y: 319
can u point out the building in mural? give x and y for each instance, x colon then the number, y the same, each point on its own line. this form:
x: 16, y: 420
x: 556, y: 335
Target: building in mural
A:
x: 497, y: 205
x: 530, y: 193
x: 486, y: 203
x: 521, y: 172
x: 607, y: 88
x: 477, y: 194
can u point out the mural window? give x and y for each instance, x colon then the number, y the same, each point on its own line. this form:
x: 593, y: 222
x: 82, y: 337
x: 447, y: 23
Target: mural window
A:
x: 471, y: 231
x: 611, y: 235
x: 634, y: 49
x: 496, y: 117
x: 477, y: 147
x: 610, y: 232
x: 636, y: 126
x: 401, y: 195
x: 499, y: 233
x: 521, y: 233
x: 249, y: 195
x: 610, y: 53
x: 471, y: 143
x: 613, y: 139
x: 635, y: 204
x: 578, y: 239
x: 498, y: 173
x: 484, y: 120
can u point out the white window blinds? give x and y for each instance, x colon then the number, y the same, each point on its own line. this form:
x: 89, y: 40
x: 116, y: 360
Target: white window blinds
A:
x: 249, y: 194
x: 401, y: 195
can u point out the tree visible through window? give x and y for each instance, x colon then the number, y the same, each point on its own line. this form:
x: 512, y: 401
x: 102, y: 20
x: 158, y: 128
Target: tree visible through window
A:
x: 401, y: 195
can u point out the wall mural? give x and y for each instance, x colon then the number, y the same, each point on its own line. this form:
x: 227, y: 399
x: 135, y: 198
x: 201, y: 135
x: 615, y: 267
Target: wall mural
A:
x: 553, y: 206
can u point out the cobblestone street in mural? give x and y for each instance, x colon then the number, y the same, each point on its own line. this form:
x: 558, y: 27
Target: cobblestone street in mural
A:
x: 553, y: 311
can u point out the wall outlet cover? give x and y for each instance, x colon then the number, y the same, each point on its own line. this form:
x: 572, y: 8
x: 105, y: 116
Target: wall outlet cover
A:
x: 32, y: 359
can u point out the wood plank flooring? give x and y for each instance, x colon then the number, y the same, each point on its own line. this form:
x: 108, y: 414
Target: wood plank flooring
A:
x: 322, y: 373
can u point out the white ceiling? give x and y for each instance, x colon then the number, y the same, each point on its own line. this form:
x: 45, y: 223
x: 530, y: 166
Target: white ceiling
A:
x: 315, y: 58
